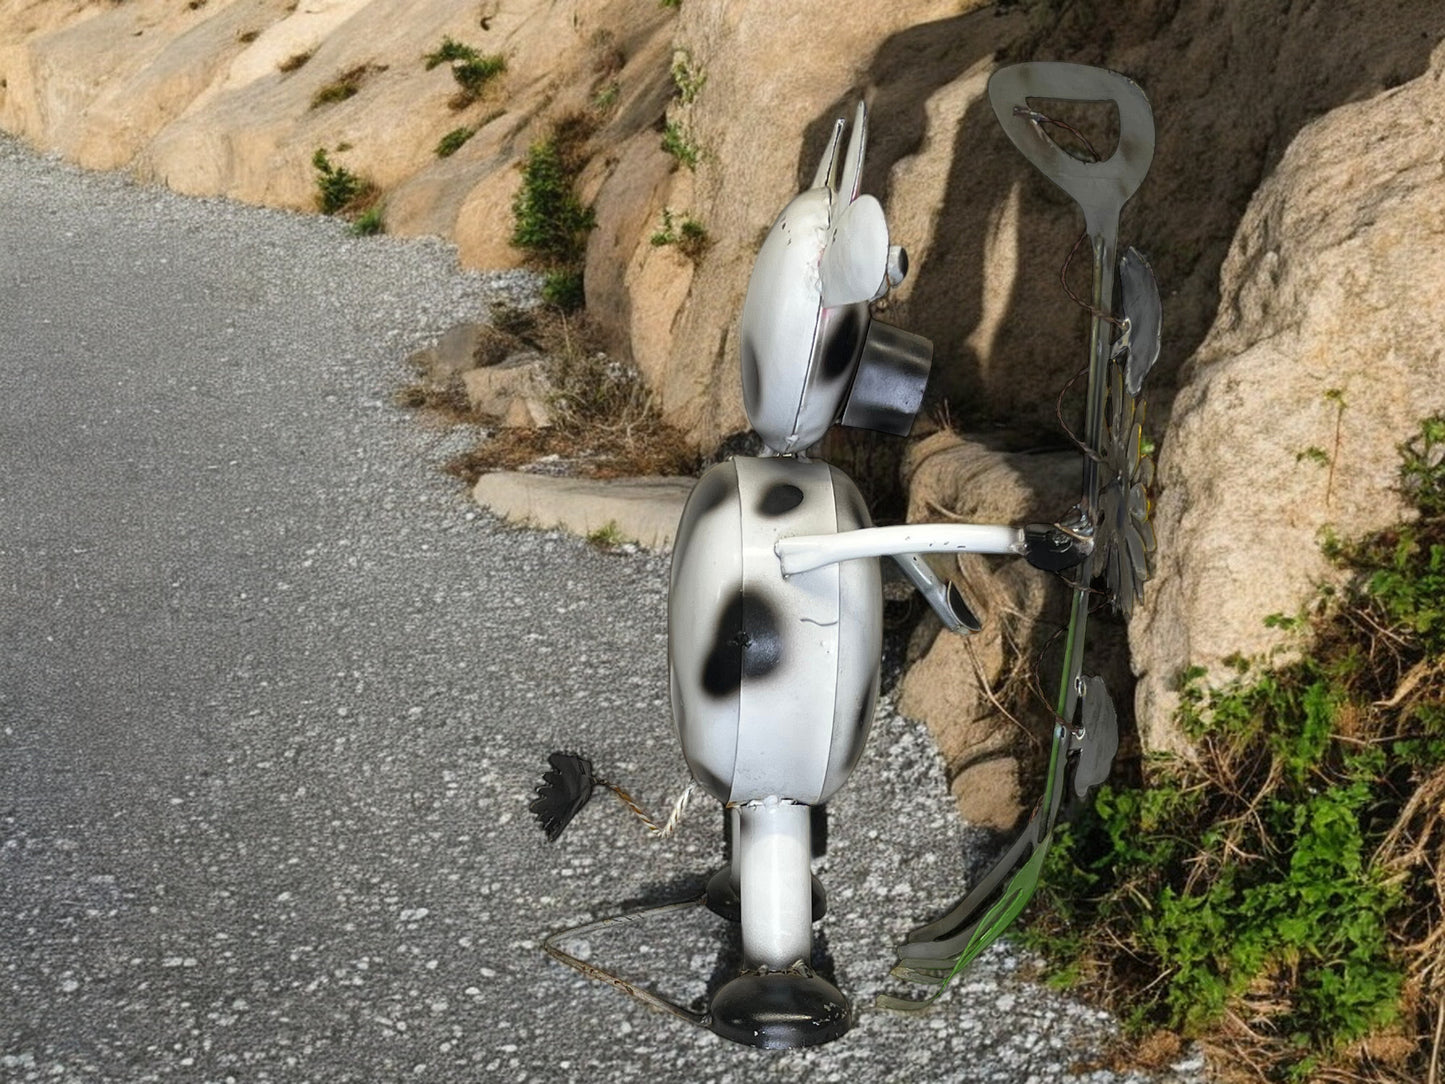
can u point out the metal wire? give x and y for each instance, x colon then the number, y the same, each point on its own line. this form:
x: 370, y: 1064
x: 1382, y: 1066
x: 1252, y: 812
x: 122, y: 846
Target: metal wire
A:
x: 592, y: 971
x: 669, y: 826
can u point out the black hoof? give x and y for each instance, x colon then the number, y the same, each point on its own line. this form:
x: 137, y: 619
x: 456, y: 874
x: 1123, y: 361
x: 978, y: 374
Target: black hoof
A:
x: 723, y: 901
x: 780, y: 1010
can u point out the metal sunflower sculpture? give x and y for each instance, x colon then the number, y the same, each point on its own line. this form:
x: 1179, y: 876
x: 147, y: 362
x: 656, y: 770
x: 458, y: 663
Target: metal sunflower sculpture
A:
x: 1124, y: 537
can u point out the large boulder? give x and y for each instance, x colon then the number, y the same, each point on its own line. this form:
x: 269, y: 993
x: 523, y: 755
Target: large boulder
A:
x: 1328, y: 347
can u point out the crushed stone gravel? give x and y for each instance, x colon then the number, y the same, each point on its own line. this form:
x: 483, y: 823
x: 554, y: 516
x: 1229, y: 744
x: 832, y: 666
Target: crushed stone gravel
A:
x: 274, y: 697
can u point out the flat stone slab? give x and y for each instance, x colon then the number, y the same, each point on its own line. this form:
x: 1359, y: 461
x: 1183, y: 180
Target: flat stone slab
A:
x: 644, y: 510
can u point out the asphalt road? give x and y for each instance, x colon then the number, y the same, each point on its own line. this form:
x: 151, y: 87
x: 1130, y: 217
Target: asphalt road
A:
x: 273, y: 697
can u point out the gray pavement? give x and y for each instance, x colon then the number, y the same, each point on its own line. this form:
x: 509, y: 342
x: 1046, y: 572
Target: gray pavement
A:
x: 273, y: 697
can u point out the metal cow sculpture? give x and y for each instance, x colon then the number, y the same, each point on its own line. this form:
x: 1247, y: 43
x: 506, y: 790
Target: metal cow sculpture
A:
x: 775, y: 611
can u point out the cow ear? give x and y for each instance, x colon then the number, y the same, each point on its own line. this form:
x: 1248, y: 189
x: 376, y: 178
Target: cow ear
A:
x: 855, y: 262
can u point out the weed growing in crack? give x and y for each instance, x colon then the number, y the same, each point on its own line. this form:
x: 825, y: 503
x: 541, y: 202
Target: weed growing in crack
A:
x: 473, y: 71
x: 549, y: 222
x: 453, y: 141
x: 678, y: 142
x: 340, y: 191
x: 607, y: 537
x: 687, y: 77
x: 686, y: 234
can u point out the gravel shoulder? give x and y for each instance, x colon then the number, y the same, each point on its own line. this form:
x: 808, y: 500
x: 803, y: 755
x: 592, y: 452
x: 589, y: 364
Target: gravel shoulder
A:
x: 274, y: 694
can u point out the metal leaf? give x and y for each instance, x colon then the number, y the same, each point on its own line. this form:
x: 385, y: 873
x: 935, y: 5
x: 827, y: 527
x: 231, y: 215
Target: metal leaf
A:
x: 1101, y: 738
x: 1125, y: 538
x: 564, y: 790
x: 1145, y: 314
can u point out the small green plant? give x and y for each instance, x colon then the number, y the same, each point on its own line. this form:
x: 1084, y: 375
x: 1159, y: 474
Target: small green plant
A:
x: 607, y: 537
x: 606, y: 97
x: 346, y: 85
x: 338, y: 190
x: 678, y: 142
x: 471, y: 70
x: 369, y: 222
x: 549, y: 222
x: 674, y: 4
x: 563, y: 288
x: 453, y: 141
x: 336, y: 186
x: 292, y: 62
x: 687, y: 78
x: 448, y: 52
x: 1422, y: 475
x: 1286, y: 879
x: 687, y: 234
x: 1314, y: 454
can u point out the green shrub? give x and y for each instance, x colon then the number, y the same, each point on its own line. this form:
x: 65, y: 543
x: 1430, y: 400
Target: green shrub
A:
x: 678, y: 142
x: 474, y: 75
x: 453, y: 141
x: 1282, y: 878
x: 550, y: 223
x: 336, y: 186
x: 369, y: 222
x: 564, y: 289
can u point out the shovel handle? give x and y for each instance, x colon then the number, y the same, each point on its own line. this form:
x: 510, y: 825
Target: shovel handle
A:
x: 1100, y: 188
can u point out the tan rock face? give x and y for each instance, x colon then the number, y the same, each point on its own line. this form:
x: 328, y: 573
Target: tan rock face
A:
x: 1297, y: 140
x: 218, y: 100
x: 197, y: 98
x: 1328, y: 348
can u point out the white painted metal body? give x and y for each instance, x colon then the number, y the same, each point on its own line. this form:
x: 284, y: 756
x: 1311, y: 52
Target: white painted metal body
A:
x: 777, y: 884
x: 774, y: 679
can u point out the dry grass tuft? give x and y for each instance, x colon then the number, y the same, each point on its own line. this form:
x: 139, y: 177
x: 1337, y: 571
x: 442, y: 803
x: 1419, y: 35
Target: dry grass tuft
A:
x: 604, y: 421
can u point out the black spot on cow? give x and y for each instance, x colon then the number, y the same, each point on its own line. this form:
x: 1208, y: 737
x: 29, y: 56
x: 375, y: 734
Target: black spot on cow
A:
x: 752, y: 384
x: 712, y: 491
x: 715, y: 487
x: 844, y: 340
x: 746, y: 643
x: 779, y: 499
x: 864, y: 719
x: 852, y: 508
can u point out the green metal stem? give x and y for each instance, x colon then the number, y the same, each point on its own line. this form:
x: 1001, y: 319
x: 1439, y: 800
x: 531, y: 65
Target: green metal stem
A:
x: 1103, y: 243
